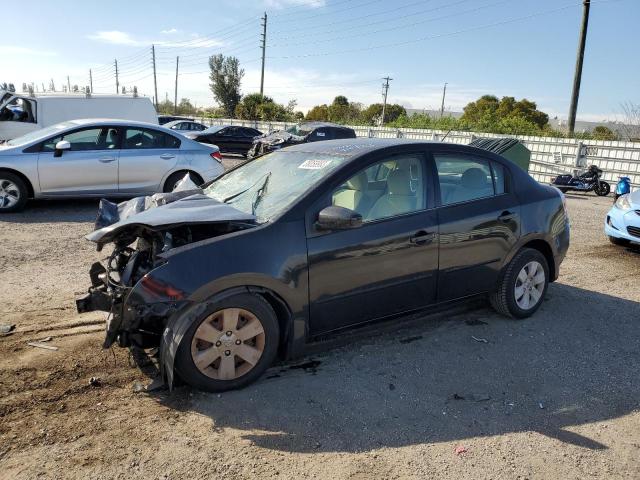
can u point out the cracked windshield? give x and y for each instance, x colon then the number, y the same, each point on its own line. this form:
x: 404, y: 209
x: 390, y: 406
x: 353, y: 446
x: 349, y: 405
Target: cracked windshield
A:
x: 266, y: 186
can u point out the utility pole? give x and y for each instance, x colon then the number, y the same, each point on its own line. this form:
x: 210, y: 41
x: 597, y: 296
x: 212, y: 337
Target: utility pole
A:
x: 385, y: 91
x: 90, y: 82
x: 68, y: 84
x: 155, y: 82
x: 444, y: 94
x: 577, y: 79
x: 264, y: 50
x: 175, y: 102
x: 117, y: 82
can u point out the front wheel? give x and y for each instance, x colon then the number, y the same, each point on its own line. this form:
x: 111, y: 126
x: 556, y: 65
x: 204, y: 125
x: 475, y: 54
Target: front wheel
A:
x: 603, y: 190
x: 231, y: 346
x: 522, y: 285
x: 13, y: 193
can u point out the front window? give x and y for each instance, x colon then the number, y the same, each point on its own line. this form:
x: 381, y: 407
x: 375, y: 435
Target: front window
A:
x: 268, y: 185
x: 19, y: 110
x: 99, y: 138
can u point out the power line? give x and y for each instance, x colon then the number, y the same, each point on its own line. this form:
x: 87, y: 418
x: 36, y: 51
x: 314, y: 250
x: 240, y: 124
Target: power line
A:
x: 368, y: 2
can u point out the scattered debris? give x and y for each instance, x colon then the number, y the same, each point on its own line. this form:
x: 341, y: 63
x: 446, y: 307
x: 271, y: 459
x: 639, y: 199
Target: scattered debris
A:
x: 411, y: 339
x: 392, y: 387
x: 138, y: 387
x: 6, y: 328
x: 457, y: 397
x: 541, y: 405
x: 474, y: 322
x: 42, y: 345
x: 95, y: 382
x: 156, y: 384
x: 310, y: 366
x: 459, y: 450
x: 46, y: 339
x: 481, y: 340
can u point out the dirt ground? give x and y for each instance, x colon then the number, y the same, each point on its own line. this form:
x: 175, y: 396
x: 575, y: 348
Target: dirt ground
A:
x: 554, y: 396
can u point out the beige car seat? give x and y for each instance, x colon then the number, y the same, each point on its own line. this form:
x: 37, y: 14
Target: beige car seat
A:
x: 399, y: 198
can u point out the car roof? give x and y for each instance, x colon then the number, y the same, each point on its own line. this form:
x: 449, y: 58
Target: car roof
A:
x: 110, y: 121
x: 313, y: 125
x: 354, y: 146
x: 175, y: 122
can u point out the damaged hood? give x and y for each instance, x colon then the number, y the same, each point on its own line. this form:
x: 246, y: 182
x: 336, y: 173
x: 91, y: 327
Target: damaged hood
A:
x: 197, y: 208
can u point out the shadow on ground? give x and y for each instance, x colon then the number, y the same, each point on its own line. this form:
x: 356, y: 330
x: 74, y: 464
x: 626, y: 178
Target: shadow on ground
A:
x: 574, y: 362
x: 39, y: 211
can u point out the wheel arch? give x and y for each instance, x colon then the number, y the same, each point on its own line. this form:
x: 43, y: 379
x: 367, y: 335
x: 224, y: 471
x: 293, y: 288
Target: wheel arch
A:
x: 540, y: 244
x: 183, y: 171
x: 23, y: 177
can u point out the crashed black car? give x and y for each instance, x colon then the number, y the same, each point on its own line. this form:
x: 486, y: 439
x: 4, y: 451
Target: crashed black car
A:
x: 301, y: 133
x: 318, y: 238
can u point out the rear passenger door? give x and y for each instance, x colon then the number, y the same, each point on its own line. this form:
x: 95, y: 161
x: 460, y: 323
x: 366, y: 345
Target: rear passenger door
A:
x: 147, y: 155
x: 479, y: 217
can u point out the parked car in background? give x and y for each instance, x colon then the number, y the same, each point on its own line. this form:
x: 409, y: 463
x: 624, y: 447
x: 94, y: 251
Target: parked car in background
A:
x: 162, y: 119
x: 622, y: 224
x: 301, y: 133
x: 22, y: 113
x: 184, y: 126
x: 97, y: 158
x: 229, y: 138
x: 317, y: 238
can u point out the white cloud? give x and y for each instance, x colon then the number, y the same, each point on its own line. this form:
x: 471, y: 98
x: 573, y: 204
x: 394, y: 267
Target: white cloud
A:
x: 116, y: 37
x: 281, y: 4
x: 14, y: 50
x: 169, y: 31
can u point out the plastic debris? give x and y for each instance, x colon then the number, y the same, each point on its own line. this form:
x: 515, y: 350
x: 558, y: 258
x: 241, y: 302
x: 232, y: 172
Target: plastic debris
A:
x: 46, y: 339
x: 541, y: 405
x: 481, y: 340
x: 138, y: 387
x: 460, y: 449
x: 6, y: 328
x: 479, y: 397
x: 42, y: 345
x: 95, y: 382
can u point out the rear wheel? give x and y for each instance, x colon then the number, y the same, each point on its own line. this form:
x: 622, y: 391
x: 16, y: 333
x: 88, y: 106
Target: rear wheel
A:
x: 619, y: 241
x: 231, y: 346
x: 522, y: 285
x: 174, y: 178
x: 13, y: 193
x: 603, y: 190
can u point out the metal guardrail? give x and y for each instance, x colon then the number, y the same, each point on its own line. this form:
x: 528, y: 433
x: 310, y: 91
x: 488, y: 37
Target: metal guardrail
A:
x: 549, y: 156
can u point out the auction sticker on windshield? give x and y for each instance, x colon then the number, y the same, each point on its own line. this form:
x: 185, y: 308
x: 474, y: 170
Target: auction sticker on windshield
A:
x: 314, y: 164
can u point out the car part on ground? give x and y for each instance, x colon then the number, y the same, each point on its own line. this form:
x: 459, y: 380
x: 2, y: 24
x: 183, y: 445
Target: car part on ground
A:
x: 331, y: 236
x: 301, y: 133
x: 112, y: 158
x: 622, y: 223
x: 585, y: 182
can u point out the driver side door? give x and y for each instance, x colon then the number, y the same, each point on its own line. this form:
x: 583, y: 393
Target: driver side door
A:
x: 89, y: 167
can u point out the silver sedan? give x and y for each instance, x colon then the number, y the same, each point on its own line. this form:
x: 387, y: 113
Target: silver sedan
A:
x: 97, y: 158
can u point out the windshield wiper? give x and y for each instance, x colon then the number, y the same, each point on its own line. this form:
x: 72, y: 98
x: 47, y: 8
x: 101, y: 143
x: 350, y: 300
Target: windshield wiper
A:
x: 235, y: 195
x: 260, y: 194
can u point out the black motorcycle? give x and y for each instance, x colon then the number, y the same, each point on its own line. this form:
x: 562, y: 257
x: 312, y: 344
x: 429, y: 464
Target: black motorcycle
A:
x: 585, y: 182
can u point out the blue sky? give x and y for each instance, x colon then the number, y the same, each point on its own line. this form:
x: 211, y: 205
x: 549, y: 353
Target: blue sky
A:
x: 321, y: 48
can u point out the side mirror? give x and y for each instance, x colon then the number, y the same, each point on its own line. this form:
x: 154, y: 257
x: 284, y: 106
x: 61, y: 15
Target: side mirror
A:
x: 61, y: 146
x: 338, y: 218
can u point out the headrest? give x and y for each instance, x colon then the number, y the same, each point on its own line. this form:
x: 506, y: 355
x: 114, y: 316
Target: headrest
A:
x: 474, y: 179
x: 359, y: 182
x: 399, y: 182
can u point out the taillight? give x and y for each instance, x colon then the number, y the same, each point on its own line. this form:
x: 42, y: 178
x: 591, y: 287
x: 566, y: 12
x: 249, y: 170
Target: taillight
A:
x: 216, y: 156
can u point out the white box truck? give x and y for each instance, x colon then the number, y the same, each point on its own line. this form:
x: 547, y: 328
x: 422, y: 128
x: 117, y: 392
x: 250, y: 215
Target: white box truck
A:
x: 24, y: 113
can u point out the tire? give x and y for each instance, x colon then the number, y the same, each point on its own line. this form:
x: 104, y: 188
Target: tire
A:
x: 176, y: 177
x: 619, y: 241
x: 503, y: 299
x: 206, y: 377
x: 604, y: 189
x: 13, y: 193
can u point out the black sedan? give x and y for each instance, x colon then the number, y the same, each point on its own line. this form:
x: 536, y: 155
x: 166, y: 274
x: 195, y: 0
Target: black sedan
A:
x: 318, y: 238
x: 228, y: 138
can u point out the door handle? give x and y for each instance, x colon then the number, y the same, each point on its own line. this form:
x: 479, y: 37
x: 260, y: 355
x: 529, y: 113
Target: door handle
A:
x: 167, y: 156
x: 507, y: 216
x: 107, y: 159
x: 422, y: 238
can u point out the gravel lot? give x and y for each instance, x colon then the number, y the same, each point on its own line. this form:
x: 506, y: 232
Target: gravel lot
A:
x: 554, y: 396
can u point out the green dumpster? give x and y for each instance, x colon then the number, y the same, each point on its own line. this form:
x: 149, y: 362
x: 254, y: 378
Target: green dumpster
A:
x: 510, y: 148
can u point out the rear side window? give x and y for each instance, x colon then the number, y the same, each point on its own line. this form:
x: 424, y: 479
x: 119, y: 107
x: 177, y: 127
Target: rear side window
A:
x: 463, y: 178
x: 101, y: 138
x: 499, y: 178
x: 141, y: 138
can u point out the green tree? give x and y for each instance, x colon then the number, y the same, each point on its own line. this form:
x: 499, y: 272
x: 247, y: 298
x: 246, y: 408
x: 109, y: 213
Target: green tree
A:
x: 185, y: 107
x: 604, y: 133
x: 318, y: 113
x: 372, y: 115
x: 249, y: 106
x: 226, y: 77
x: 493, y: 115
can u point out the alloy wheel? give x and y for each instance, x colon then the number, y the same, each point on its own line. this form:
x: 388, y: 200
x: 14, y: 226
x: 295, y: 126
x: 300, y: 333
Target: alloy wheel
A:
x: 530, y: 285
x: 228, y: 344
x: 9, y: 193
